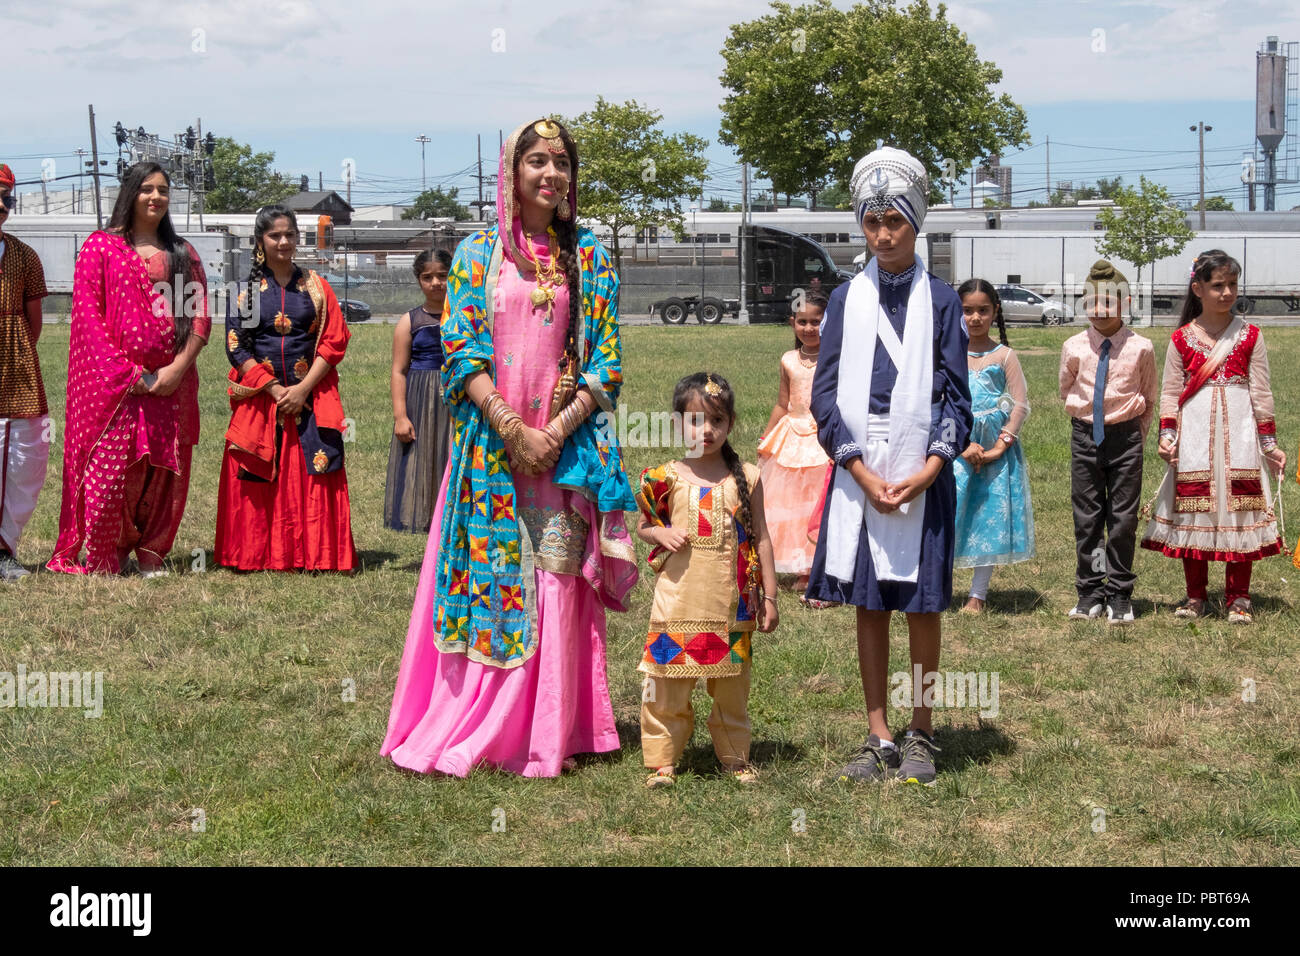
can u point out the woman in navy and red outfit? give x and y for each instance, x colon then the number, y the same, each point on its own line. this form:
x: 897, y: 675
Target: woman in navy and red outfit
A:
x: 283, y: 501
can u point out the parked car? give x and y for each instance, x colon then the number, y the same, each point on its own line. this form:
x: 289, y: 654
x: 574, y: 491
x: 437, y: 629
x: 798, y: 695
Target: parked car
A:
x: 354, y: 310
x: 1024, y: 305
x: 336, y: 280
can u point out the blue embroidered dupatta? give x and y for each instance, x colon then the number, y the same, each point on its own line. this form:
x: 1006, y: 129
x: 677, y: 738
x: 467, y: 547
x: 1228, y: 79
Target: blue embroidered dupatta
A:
x: 486, y: 606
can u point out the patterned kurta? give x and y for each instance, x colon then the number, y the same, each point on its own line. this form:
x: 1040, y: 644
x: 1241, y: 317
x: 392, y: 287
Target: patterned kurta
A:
x: 703, y: 613
x: 22, y: 393
x: 486, y: 604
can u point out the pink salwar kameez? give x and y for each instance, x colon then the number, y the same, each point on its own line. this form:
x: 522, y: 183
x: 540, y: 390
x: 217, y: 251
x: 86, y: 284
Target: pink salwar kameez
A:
x: 451, y: 713
x: 125, y: 457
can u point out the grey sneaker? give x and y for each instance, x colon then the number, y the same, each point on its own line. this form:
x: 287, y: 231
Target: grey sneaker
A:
x: 10, y: 569
x: 1085, y: 612
x: 872, y: 762
x: 918, y: 758
x: 1119, y: 610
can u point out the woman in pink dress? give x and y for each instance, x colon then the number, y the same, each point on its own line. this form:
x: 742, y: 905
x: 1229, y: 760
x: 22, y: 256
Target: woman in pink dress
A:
x: 139, y: 319
x: 504, y: 663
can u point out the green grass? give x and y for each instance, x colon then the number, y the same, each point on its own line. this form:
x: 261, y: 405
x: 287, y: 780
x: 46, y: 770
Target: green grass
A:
x: 223, y: 692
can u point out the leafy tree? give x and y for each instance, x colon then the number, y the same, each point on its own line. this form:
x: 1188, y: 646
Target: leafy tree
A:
x: 1143, y: 227
x: 717, y: 204
x: 631, y: 173
x: 245, y: 180
x: 835, y: 196
x: 1216, y: 204
x: 1109, y: 188
x: 436, y: 204
x: 812, y: 88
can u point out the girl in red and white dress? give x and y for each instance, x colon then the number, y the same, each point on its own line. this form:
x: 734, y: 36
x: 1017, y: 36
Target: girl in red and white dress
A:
x: 1216, y: 433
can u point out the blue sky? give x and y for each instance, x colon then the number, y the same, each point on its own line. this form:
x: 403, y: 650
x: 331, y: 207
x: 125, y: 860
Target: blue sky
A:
x: 321, y: 81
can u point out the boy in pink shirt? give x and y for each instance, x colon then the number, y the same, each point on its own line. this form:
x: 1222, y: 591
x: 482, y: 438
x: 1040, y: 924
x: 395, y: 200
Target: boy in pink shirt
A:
x: 1108, y: 382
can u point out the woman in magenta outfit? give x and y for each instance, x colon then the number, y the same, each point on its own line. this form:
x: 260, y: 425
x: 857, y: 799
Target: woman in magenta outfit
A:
x: 504, y: 664
x: 132, y: 401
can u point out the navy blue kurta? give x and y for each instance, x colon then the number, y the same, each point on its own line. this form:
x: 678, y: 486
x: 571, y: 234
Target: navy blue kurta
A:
x: 950, y: 425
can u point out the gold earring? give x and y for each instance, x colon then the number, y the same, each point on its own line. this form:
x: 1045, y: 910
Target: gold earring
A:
x: 259, y: 256
x: 564, y: 210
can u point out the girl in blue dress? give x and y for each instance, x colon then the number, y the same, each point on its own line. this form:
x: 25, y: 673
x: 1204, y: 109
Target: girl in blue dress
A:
x: 995, y: 520
x: 417, y: 456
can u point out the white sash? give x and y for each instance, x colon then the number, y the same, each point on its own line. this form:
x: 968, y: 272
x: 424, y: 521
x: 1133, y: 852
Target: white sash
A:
x: 893, y: 446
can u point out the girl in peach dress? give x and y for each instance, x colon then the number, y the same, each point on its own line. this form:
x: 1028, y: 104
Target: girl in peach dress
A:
x: 793, y: 462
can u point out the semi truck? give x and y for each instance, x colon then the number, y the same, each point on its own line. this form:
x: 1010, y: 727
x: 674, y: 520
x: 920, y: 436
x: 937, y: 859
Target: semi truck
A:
x: 774, y: 264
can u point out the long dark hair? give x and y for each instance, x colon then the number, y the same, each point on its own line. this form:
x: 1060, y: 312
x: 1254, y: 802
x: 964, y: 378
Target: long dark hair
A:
x: 817, y: 299
x: 179, y: 266
x: 1202, y: 271
x: 698, y: 386
x: 566, y: 235
x: 983, y: 285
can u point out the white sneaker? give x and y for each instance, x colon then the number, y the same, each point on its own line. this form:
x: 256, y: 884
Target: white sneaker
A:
x: 1080, y: 613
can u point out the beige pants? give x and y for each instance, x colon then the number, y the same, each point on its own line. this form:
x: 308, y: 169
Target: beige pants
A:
x: 668, y: 720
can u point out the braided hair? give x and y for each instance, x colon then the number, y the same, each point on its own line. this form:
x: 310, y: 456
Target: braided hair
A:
x: 179, y: 265
x: 983, y: 285
x: 696, y: 387
x: 566, y: 235
x: 1203, y: 270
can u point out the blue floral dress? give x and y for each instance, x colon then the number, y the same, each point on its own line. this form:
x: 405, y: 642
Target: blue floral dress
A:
x: 995, y: 519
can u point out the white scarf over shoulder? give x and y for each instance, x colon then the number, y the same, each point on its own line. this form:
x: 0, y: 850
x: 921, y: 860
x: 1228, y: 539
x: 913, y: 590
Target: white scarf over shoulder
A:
x: 895, y: 445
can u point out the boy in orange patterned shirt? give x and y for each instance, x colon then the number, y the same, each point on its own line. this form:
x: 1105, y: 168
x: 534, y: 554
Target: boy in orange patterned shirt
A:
x: 24, y: 445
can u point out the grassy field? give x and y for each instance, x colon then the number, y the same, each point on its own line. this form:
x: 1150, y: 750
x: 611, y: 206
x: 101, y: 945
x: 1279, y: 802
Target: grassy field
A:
x: 222, y: 693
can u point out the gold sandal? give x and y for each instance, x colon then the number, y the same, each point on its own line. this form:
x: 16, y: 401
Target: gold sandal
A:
x: 1190, y: 609
x: 663, y: 777
x: 1239, y: 612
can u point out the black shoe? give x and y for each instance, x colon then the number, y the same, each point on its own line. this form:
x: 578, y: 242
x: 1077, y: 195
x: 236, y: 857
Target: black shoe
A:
x: 10, y: 569
x: 873, y: 762
x: 1119, y: 610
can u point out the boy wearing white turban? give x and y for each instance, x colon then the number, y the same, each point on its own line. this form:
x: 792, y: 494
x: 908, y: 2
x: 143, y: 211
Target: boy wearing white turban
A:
x: 892, y: 405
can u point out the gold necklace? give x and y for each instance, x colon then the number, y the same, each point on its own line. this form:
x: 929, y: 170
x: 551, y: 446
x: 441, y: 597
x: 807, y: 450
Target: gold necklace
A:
x: 548, y: 275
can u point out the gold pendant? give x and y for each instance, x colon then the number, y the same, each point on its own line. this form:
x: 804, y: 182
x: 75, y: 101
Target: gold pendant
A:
x: 539, y: 297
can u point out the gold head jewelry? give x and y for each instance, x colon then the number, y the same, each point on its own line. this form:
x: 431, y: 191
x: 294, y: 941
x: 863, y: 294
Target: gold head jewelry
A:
x: 550, y: 132
x: 712, y: 388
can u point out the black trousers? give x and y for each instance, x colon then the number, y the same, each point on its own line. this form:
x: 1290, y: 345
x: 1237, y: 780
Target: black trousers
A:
x: 1106, y: 492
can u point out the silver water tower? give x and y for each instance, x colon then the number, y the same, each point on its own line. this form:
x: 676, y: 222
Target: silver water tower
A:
x: 1275, y: 79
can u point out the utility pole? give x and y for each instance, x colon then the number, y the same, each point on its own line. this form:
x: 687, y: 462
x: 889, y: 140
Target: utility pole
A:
x: 320, y: 181
x: 1202, y: 129
x: 1049, y: 170
x: 479, y: 205
x: 94, y: 170
x: 743, y: 242
x: 81, y: 186
x: 422, y: 139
